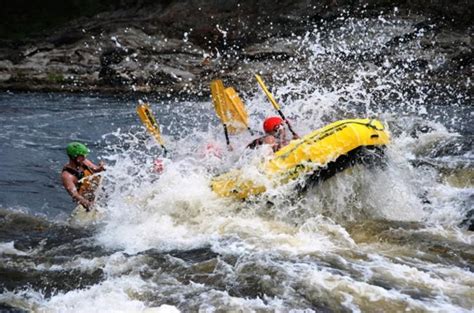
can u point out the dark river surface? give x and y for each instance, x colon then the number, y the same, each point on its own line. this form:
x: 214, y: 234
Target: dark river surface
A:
x: 384, y: 239
x: 35, y: 128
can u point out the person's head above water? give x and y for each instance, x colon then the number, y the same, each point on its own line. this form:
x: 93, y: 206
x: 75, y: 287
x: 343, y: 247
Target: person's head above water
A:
x: 271, y: 124
x: 76, y: 149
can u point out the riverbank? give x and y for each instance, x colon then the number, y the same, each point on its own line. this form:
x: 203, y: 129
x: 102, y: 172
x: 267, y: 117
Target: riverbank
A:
x: 178, y: 48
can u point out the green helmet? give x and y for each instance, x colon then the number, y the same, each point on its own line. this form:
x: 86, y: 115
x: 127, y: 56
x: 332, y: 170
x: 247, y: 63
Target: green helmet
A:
x: 75, y: 149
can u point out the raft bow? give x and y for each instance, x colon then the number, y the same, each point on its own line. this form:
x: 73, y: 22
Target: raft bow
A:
x: 316, y: 156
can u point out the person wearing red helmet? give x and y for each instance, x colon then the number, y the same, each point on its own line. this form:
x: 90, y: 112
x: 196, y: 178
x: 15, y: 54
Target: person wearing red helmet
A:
x: 275, y: 134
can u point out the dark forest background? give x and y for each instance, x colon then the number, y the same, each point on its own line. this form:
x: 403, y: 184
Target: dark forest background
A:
x: 20, y: 19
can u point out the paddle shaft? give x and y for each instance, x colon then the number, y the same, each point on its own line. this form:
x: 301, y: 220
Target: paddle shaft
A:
x: 274, y: 103
x: 286, y: 121
x: 165, y: 151
x: 226, y: 133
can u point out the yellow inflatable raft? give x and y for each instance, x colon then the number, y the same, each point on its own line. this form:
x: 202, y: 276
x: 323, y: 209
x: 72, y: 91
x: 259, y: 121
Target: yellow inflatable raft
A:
x: 317, y: 155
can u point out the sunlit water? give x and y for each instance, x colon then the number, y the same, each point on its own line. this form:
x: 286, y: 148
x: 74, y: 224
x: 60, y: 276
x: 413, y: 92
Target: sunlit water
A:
x: 369, y: 239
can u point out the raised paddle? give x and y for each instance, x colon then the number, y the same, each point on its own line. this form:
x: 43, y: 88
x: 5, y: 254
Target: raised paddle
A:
x: 274, y: 103
x: 218, y: 98
x: 149, y: 120
x: 237, y: 108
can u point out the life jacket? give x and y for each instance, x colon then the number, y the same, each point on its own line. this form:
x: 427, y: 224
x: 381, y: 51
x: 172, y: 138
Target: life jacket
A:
x: 256, y: 142
x: 86, y: 185
x: 260, y: 141
x: 79, y: 173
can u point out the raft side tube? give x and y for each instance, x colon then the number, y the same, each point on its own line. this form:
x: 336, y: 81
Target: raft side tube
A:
x: 321, y: 154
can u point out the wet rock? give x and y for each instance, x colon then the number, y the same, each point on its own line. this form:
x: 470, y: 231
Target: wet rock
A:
x: 5, y: 70
x: 180, y: 46
x: 276, y: 49
x: 10, y: 309
x: 66, y: 38
x: 112, y: 56
x: 468, y: 222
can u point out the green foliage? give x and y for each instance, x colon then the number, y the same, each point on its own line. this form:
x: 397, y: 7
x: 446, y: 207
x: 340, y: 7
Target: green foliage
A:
x: 55, y: 77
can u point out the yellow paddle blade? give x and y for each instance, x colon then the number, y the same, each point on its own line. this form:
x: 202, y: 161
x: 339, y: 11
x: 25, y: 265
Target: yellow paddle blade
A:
x: 218, y: 98
x: 265, y: 90
x: 148, y: 119
x: 236, y: 107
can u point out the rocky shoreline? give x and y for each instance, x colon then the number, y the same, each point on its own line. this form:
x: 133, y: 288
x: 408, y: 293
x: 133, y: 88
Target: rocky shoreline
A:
x: 178, y: 47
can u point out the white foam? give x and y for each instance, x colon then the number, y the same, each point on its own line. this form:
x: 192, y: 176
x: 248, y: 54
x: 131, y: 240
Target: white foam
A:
x: 113, y: 295
x: 8, y: 248
x: 177, y: 209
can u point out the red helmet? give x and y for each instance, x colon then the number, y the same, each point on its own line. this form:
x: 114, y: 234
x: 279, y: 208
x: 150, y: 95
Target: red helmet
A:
x: 271, y: 123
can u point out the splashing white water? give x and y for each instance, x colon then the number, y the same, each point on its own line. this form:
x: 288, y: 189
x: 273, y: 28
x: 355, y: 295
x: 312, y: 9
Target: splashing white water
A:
x: 312, y: 244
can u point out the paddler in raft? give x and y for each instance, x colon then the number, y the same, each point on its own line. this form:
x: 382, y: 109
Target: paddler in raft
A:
x: 74, y: 175
x: 275, y: 134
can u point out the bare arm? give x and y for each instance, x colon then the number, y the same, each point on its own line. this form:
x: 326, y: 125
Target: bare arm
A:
x: 266, y: 140
x: 70, y: 185
x: 273, y: 142
x: 93, y: 167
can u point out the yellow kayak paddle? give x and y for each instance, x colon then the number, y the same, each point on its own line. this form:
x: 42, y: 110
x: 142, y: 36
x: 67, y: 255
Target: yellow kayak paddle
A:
x: 149, y: 120
x: 218, y: 98
x: 237, y: 108
x: 274, y: 103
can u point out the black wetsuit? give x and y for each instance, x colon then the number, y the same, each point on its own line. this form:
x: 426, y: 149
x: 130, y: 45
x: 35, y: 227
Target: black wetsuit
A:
x: 257, y: 142
x: 261, y: 141
x: 79, y: 173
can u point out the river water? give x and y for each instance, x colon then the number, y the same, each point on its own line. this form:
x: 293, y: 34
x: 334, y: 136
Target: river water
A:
x: 386, y: 239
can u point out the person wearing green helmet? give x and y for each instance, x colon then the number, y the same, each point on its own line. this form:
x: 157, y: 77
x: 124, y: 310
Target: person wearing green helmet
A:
x: 74, y: 174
